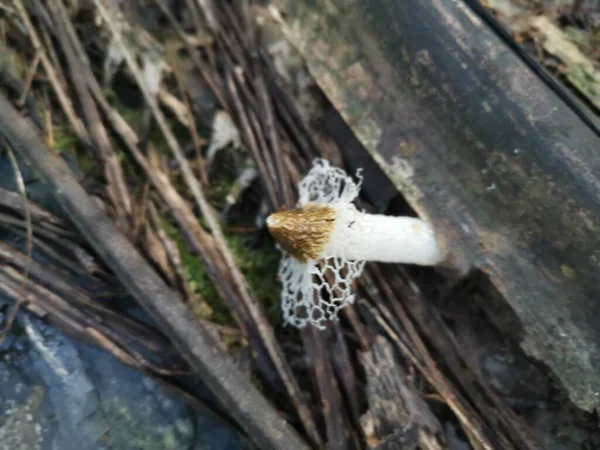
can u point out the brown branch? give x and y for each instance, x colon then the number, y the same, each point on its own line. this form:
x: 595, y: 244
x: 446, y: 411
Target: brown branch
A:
x: 72, y: 48
x: 62, y: 96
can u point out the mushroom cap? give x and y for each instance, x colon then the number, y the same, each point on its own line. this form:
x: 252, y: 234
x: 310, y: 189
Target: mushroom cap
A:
x: 315, y: 287
x: 303, y: 232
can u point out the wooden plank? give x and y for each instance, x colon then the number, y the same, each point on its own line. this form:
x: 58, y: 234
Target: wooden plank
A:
x: 506, y: 171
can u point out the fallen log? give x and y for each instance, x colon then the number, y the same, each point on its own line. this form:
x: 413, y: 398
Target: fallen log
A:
x: 505, y: 168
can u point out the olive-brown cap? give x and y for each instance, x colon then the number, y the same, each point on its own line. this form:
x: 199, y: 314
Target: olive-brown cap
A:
x: 303, y: 232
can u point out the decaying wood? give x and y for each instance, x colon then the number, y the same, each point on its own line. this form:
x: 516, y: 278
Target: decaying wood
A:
x: 398, y: 417
x: 336, y: 429
x: 492, y: 409
x: 505, y: 170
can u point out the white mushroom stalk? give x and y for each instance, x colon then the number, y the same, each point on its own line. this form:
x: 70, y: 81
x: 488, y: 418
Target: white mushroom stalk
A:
x: 326, y: 241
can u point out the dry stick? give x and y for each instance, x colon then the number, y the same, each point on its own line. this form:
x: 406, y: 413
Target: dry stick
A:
x: 44, y: 229
x: 274, y: 140
x: 246, y: 40
x: 117, y: 186
x: 138, y: 211
x: 262, y: 144
x: 53, y: 278
x: 23, y: 192
x: 190, y: 115
x: 57, y: 308
x: 154, y: 250
x: 363, y: 335
x: 192, y: 7
x: 251, y: 139
x: 208, y: 9
x: 342, y: 365
x: 369, y: 284
x: 471, y: 424
x: 201, y: 241
x: 176, y: 106
x: 264, y: 328
x: 48, y: 125
x: 206, y: 76
x: 445, y: 343
x: 53, y: 255
x: 289, y: 113
x: 255, y: 78
x: 48, y: 45
x: 29, y: 232
x: 29, y: 78
x: 217, y: 370
x: 11, y: 317
x: 171, y: 249
x: 198, y: 238
x: 62, y: 96
x: 20, y: 204
x: 317, y: 351
x: 235, y: 57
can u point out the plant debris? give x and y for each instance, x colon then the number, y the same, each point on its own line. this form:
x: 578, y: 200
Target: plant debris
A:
x: 190, y: 122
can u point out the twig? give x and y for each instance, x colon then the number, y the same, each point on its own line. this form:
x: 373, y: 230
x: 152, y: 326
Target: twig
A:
x: 472, y: 425
x: 206, y: 76
x: 191, y: 123
x: 171, y: 249
x: 117, y: 186
x: 62, y: 96
x: 500, y: 415
x: 251, y: 139
x: 43, y: 228
x: 21, y: 204
x: 342, y: 365
x: 76, y: 321
x: 338, y: 433
x: 29, y: 243
x: 29, y: 78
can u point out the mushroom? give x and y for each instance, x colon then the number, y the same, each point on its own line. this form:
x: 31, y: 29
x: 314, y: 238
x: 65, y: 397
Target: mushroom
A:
x: 326, y: 240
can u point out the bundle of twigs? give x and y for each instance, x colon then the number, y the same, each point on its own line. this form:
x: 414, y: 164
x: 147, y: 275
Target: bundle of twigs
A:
x: 365, y: 382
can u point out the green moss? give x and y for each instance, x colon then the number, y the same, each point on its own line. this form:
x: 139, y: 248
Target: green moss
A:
x: 198, y: 279
x: 584, y: 80
x: 65, y: 140
x: 259, y: 266
x: 132, y: 116
x: 218, y: 191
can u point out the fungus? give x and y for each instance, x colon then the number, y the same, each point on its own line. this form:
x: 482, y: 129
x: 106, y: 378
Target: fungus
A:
x: 326, y: 240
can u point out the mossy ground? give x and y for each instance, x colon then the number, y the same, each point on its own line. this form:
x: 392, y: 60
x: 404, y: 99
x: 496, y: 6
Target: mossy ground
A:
x: 253, y: 249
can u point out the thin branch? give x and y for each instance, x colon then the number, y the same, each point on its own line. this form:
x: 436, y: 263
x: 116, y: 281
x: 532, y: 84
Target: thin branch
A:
x: 62, y: 96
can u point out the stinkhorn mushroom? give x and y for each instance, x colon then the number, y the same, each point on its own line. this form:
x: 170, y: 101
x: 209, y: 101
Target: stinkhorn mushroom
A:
x: 326, y: 241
